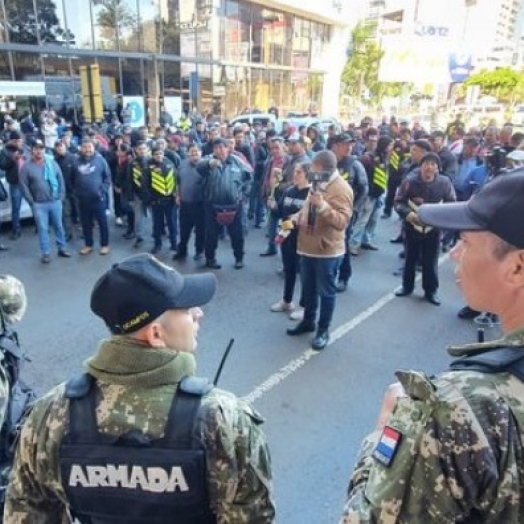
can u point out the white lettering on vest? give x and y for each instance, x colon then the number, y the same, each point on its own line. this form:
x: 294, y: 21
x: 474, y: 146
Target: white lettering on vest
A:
x: 154, y: 479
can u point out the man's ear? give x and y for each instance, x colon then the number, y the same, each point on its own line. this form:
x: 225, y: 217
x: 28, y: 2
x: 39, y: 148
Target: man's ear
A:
x: 516, y: 272
x: 152, y: 334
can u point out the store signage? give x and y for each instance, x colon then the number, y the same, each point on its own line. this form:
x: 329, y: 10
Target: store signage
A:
x: 8, y: 88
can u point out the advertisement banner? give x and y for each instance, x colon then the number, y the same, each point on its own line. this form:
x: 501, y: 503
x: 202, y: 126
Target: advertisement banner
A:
x: 136, y: 108
x: 423, y: 61
x: 173, y: 106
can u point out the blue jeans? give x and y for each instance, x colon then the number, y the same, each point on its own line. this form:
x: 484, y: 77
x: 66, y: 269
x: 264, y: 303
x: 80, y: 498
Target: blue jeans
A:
x: 16, y: 203
x: 366, y: 224
x: 318, y: 278
x: 49, y: 214
x: 91, y: 210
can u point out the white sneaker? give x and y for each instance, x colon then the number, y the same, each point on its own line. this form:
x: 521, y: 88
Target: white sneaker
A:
x: 281, y: 306
x: 297, y: 314
x: 119, y: 222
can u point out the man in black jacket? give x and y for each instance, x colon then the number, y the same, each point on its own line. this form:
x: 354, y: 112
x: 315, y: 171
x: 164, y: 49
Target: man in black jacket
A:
x: 227, y: 183
x: 448, y: 161
x: 422, y: 187
x: 12, y: 158
x: 66, y: 162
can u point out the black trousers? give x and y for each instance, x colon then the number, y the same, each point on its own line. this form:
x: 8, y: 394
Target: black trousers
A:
x: 345, y: 271
x: 427, y: 247
x: 191, y: 216
x: 213, y: 229
x: 290, y: 261
x: 393, y: 183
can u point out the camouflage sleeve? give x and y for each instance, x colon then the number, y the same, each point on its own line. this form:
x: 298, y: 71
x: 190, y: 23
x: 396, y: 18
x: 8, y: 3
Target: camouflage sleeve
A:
x: 239, y: 463
x: 35, y: 494
x: 444, y: 469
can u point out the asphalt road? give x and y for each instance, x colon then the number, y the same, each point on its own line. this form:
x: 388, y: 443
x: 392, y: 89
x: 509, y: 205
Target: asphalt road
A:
x: 318, y: 406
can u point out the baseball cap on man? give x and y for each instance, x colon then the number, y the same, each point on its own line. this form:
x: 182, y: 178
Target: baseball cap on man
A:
x: 296, y: 138
x: 497, y: 208
x: 343, y: 138
x: 139, y: 289
x: 38, y: 144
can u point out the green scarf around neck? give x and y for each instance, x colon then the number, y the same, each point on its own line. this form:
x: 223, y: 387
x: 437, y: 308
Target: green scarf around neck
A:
x: 128, y: 362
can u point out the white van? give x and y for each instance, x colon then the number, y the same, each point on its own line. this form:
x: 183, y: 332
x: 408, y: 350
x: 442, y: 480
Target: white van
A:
x: 262, y: 118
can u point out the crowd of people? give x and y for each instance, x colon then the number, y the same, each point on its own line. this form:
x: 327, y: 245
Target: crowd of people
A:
x: 210, y: 178
x: 139, y: 435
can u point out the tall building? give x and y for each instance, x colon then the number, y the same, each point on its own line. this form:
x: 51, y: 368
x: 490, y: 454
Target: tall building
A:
x: 219, y: 56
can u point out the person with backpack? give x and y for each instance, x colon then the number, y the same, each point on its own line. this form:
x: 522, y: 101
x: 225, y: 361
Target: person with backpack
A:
x: 138, y: 437
x: 448, y: 447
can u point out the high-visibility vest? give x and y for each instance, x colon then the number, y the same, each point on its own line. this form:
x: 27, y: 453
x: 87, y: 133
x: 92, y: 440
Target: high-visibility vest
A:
x: 380, y: 174
x: 163, y: 182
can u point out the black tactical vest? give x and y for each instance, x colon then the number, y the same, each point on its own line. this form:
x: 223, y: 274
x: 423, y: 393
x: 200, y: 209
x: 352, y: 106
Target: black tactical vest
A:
x: 130, y: 478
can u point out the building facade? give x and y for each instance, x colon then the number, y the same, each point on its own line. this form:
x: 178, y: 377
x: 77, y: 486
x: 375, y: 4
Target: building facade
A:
x: 218, y: 56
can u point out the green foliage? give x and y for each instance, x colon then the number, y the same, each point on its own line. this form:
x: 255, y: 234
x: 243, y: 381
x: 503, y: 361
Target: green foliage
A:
x: 504, y: 83
x: 360, y: 73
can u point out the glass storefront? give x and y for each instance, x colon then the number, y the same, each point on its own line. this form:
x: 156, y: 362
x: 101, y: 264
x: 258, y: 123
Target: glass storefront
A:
x: 219, y: 56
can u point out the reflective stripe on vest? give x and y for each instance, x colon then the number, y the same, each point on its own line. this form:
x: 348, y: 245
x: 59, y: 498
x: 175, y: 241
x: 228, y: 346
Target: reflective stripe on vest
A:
x: 394, y: 160
x: 380, y: 177
x: 163, y: 184
x: 137, y: 176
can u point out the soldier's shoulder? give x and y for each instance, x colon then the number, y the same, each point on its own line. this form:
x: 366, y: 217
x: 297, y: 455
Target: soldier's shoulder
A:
x: 49, y: 410
x: 224, y: 407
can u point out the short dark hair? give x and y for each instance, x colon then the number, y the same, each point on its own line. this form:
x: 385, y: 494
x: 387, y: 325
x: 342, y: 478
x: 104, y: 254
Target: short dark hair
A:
x: 326, y: 160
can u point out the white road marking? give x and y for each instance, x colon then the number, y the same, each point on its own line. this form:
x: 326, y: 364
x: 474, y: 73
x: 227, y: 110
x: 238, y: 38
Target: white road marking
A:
x: 294, y: 365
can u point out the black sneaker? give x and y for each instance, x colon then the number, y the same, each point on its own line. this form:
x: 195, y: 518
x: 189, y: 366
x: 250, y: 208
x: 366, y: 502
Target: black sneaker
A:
x: 300, y: 328
x: 467, y: 313
x: 320, y: 341
x: 341, y: 286
x: 198, y: 256
x: 45, y: 259
x: 179, y: 256
x: 63, y: 253
x: 239, y: 264
x: 212, y: 264
x: 129, y: 235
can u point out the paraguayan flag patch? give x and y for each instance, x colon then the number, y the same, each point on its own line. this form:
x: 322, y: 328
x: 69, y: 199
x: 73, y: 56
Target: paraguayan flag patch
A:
x: 387, y: 446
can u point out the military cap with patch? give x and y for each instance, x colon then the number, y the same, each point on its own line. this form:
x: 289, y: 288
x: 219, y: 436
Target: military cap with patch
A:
x: 139, y: 289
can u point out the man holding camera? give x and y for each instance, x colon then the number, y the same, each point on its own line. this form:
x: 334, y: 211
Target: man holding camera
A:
x: 322, y: 224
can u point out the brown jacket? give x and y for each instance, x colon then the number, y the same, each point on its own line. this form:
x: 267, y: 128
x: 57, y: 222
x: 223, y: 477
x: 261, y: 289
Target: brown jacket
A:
x: 327, y: 237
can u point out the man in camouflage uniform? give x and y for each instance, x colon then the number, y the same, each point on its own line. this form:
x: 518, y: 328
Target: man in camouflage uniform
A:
x: 449, y: 448
x: 13, y: 304
x: 153, y: 314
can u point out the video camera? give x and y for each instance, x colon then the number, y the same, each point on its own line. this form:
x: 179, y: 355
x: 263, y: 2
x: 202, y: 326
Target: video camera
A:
x: 316, y: 178
x: 496, y: 161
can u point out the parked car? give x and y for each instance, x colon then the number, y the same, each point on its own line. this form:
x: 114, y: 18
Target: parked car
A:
x: 5, y: 207
x: 263, y: 118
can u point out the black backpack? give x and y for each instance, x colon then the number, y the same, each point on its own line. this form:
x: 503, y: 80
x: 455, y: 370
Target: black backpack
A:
x: 21, y: 398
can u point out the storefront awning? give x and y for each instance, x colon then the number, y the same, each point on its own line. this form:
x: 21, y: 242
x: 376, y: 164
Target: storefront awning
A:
x: 8, y: 88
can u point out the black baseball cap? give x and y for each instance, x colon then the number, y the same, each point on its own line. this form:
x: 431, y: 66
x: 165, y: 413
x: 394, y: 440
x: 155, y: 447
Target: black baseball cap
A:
x: 497, y: 208
x: 38, y: 144
x: 139, y: 289
x: 343, y: 138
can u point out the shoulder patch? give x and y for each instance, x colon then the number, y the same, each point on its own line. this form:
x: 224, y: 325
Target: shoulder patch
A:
x: 387, y: 446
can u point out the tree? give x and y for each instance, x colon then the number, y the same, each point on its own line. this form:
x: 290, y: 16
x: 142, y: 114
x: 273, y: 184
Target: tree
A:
x: 23, y: 24
x: 360, y: 73
x: 113, y: 19
x: 505, y: 84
